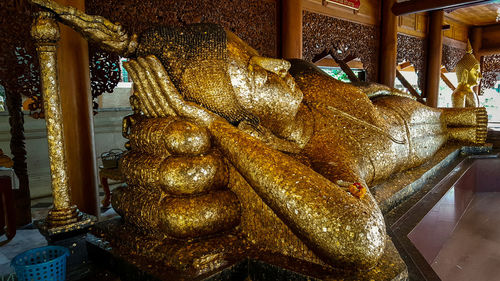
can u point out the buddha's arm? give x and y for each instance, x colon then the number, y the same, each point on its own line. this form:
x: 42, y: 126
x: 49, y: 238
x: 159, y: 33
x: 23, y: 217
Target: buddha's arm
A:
x: 338, y: 226
x: 109, y: 36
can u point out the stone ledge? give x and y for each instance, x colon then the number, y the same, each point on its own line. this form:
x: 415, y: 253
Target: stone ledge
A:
x: 401, y: 186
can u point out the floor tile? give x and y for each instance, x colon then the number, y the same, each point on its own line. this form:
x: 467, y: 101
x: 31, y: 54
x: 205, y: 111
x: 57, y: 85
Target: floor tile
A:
x: 473, y: 250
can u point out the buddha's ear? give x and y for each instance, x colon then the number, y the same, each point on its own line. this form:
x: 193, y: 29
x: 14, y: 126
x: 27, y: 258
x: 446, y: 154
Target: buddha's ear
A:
x: 465, y: 76
x: 277, y: 66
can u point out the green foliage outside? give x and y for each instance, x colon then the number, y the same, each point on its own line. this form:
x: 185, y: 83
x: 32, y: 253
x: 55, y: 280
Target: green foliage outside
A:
x: 338, y: 74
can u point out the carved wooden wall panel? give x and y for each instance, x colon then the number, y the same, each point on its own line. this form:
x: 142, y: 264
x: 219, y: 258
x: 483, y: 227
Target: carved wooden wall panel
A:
x: 18, y: 58
x: 252, y: 20
x: 104, y: 70
x: 451, y: 56
x: 255, y: 21
x: 19, y: 75
x: 322, y: 33
x: 490, y: 67
x: 413, y: 49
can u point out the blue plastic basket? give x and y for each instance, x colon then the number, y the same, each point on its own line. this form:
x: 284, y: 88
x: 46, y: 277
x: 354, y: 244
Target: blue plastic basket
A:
x: 45, y: 264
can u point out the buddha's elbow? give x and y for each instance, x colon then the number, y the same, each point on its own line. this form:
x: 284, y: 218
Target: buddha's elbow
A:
x: 356, y: 242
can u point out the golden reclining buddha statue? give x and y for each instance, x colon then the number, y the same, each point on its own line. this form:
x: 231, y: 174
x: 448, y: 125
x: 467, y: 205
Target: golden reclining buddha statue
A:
x: 223, y: 139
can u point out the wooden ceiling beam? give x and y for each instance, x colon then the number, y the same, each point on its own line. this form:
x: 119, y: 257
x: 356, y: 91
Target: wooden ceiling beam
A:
x: 404, y: 65
x: 418, y: 6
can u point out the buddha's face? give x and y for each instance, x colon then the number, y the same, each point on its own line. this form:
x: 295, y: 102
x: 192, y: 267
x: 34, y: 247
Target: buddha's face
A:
x: 272, y: 96
x: 474, y: 75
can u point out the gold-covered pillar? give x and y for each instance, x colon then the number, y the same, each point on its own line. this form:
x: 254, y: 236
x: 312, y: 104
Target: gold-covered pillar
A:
x: 45, y: 31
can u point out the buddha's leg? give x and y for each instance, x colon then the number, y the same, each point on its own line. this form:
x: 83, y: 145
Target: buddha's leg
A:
x: 420, y: 129
x: 466, y: 124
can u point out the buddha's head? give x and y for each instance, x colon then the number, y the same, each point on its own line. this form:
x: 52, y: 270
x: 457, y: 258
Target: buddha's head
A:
x: 214, y: 68
x: 468, y: 68
x: 262, y: 86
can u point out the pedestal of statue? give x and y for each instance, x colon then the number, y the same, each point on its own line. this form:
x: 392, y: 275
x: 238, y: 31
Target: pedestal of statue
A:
x: 135, y: 256
x: 73, y: 237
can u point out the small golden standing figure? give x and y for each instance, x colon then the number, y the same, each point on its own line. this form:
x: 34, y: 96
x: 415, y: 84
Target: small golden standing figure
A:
x: 468, y: 75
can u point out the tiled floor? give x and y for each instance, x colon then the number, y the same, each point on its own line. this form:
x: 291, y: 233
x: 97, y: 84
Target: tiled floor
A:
x: 29, y: 238
x: 473, y: 250
x: 25, y: 239
x: 440, y: 222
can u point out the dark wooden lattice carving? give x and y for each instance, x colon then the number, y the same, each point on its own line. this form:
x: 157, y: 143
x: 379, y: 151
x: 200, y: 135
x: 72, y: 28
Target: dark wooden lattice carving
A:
x: 19, y: 76
x: 18, y: 58
x: 451, y: 56
x: 413, y: 49
x: 104, y: 71
x: 254, y: 21
x: 321, y: 34
x: 490, y: 68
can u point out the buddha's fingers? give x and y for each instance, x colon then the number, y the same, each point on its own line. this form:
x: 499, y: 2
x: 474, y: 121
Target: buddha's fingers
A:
x: 176, y: 101
x: 169, y: 90
x: 138, y: 91
x: 147, y: 90
x: 156, y: 93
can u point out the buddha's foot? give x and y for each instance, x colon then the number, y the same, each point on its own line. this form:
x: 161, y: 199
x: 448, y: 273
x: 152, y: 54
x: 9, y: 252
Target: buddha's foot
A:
x: 469, y: 125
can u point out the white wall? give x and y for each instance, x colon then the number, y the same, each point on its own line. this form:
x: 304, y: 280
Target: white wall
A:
x: 107, y: 132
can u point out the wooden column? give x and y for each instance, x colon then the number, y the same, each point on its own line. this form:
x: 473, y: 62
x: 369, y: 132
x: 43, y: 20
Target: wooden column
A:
x: 434, y: 53
x: 388, y: 44
x: 73, y: 63
x: 291, y: 29
x: 18, y: 150
x: 475, y: 41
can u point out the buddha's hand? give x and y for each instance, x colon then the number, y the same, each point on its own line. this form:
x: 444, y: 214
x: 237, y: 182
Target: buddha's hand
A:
x: 157, y: 95
x: 109, y: 36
